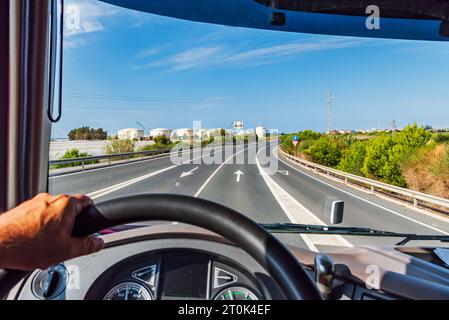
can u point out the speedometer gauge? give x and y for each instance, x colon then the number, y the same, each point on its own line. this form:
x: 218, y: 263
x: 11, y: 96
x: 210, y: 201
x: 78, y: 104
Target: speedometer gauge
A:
x: 236, y: 293
x: 129, y: 291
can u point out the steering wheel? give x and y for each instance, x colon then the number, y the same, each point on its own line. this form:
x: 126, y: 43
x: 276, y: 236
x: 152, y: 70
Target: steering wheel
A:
x: 269, y: 252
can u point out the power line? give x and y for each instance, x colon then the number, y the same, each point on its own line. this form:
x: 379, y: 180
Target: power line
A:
x: 273, y: 100
x: 202, y: 109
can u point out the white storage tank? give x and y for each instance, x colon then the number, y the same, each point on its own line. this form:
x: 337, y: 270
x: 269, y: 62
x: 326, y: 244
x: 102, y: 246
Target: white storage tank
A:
x: 185, y: 134
x: 130, y: 134
x: 159, y: 132
x: 261, y: 132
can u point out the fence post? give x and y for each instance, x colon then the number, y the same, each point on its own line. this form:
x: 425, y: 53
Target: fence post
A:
x: 372, y: 189
x: 82, y: 163
x: 415, y: 202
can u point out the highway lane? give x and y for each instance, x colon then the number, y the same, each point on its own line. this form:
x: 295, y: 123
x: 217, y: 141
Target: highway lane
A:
x: 361, y: 209
x: 241, y: 187
x: 97, y: 179
x: 293, y: 194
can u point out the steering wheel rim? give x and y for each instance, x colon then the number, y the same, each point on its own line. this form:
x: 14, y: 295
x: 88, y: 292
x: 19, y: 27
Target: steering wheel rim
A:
x: 268, y: 251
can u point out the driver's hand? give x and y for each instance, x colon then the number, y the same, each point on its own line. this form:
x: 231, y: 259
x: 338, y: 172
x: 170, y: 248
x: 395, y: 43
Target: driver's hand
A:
x: 37, y: 234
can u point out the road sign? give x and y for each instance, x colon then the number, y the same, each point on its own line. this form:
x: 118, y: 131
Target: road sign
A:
x: 295, y: 140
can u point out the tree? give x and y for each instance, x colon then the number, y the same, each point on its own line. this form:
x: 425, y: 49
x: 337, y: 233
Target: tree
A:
x: 87, y: 133
x: 162, y: 140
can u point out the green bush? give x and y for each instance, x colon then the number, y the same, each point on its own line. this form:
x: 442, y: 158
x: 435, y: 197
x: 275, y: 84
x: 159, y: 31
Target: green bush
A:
x: 306, y: 139
x: 309, y: 135
x: 386, y: 154
x: 380, y: 162
x: 73, y: 154
x: 120, y: 146
x: 325, y: 151
x: 353, y: 158
x: 383, y: 157
x: 441, y: 138
x: 158, y: 146
x: 162, y: 140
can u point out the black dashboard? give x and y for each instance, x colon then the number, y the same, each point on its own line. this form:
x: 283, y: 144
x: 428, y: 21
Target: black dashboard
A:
x: 175, y: 274
x: 191, y: 264
x: 156, y: 269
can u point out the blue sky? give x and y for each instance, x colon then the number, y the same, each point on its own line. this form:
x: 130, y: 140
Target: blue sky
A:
x: 122, y: 66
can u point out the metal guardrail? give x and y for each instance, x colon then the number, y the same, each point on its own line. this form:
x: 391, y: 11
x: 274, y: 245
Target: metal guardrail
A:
x: 122, y: 156
x: 415, y: 196
x: 110, y: 158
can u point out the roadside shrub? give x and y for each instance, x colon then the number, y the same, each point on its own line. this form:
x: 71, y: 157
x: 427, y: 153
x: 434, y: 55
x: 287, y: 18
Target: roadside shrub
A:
x: 325, y: 151
x: 306, y: 139
x: 73, y: 154
x: 158, y: 146
x: 161, y: 140
x: 427, y: 170
x: 441, y: 138
x: 353, y: 158
x: 120, y: 146
x: 386, y: 154
x: 381, y: 163
x: 309, y: 135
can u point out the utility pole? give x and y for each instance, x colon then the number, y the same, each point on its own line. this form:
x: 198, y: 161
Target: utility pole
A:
x: 329, y: 114
x: 393, y: 125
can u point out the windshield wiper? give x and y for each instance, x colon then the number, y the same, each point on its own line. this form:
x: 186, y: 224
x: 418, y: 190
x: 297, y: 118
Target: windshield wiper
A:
x: 351, y: 231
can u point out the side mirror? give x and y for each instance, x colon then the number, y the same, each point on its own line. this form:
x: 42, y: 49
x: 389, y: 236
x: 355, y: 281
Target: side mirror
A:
x: 334, y: 211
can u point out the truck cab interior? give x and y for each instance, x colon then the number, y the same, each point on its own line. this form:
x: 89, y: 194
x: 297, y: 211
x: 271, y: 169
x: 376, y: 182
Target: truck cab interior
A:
x: 198, y: 249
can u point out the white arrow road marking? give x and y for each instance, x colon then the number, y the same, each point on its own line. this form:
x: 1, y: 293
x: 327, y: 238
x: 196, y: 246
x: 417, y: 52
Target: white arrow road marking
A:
x: 284, y: 172
x: 116, y: 187
x: 189, y: 173
x: 197, y: 194
x: 239, y: 174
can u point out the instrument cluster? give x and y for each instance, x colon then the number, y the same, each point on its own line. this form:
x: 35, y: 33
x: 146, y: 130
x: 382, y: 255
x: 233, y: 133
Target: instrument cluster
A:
x: 175, y: 275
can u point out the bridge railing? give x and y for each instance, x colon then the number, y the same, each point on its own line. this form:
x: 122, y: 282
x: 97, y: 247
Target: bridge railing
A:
x: 416, y: 197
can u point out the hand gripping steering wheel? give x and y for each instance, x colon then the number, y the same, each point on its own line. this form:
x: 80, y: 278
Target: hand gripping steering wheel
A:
x: 269, y: 252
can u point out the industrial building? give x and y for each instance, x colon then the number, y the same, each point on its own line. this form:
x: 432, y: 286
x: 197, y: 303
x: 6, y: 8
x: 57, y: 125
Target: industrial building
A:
x: 161, y: 132
x: 261, y: 132
x: 184, y: 135
x: 131, y: 134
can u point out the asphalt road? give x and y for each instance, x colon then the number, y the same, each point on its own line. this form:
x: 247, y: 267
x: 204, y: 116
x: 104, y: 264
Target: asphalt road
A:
x: 258, y: 182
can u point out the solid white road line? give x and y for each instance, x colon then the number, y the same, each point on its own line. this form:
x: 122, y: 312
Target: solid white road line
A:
x: 197, y: 194
x: 63, y: 175
x: 116, y: 187
x: 362, y: 199
x: 103, y: 192
x: 297, y: 213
